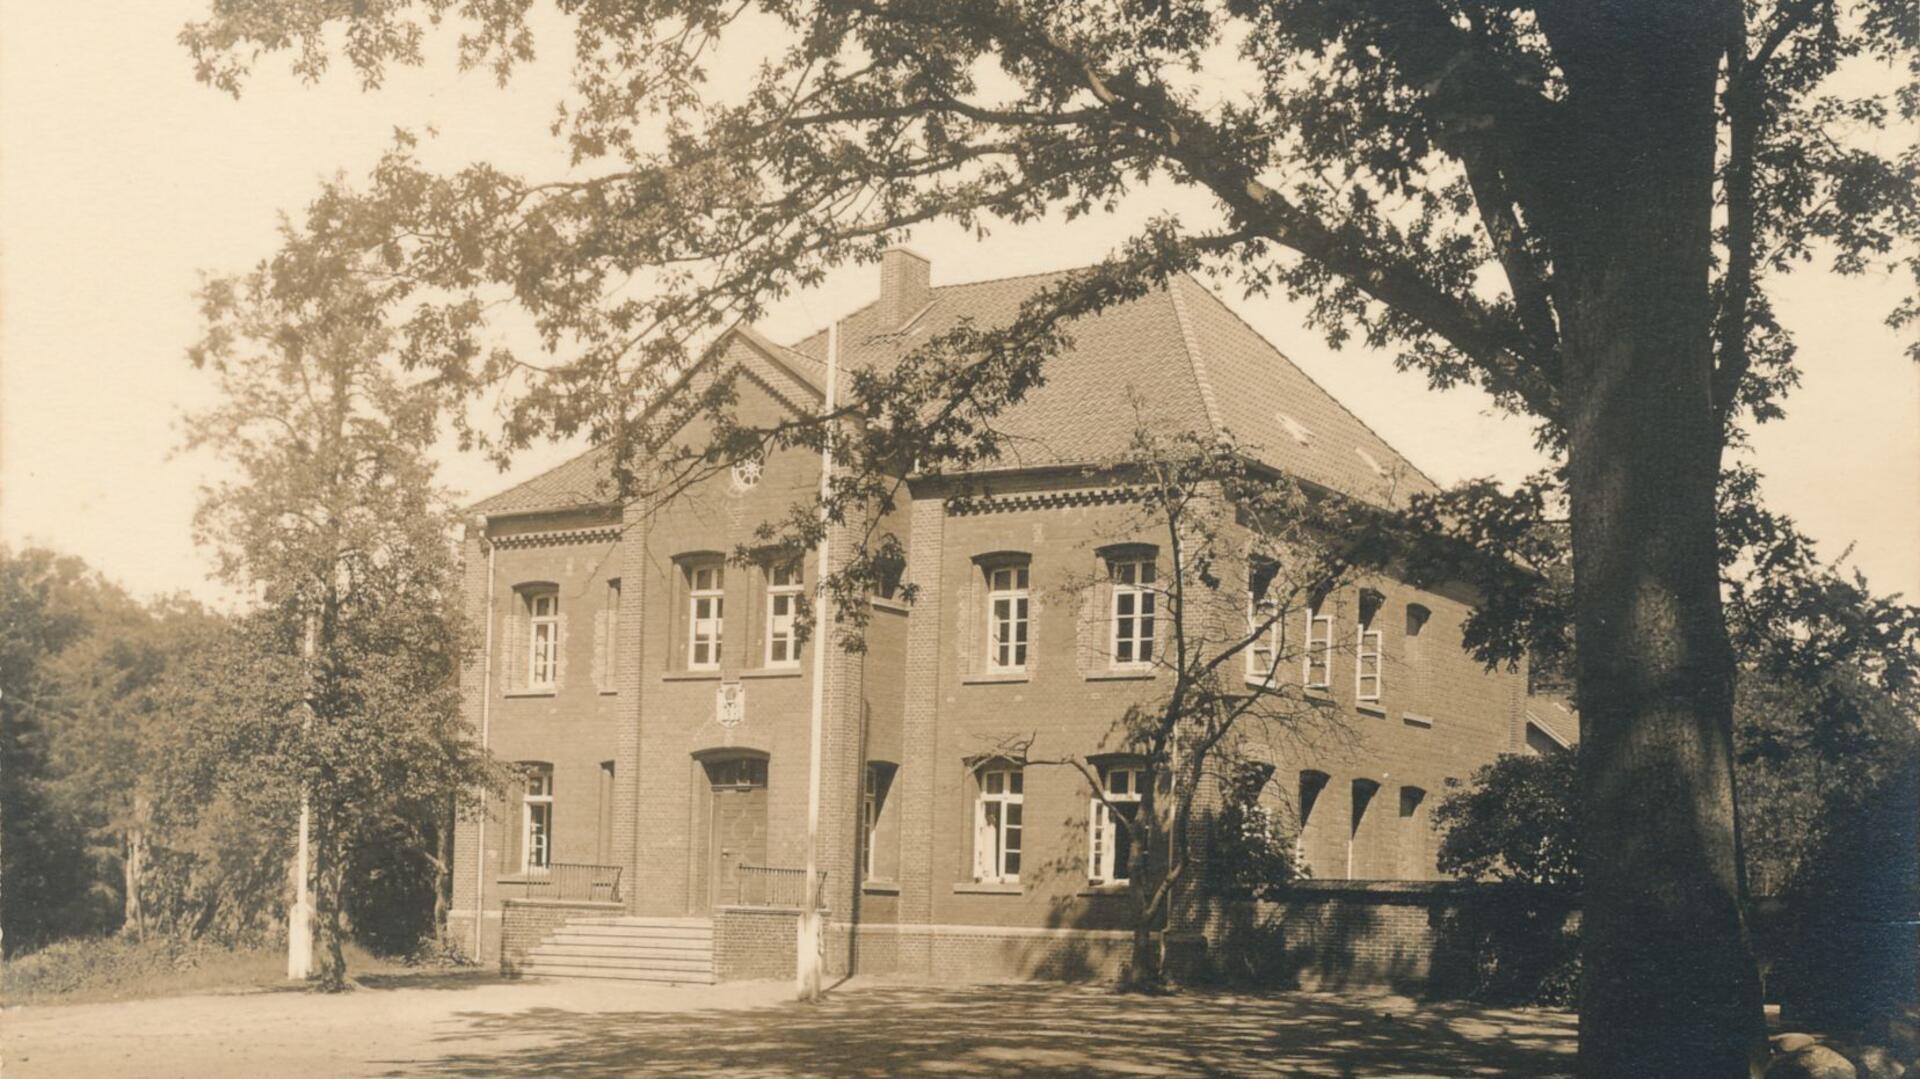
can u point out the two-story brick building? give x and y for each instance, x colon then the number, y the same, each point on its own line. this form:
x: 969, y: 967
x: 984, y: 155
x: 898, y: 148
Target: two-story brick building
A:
x: 660, y: 701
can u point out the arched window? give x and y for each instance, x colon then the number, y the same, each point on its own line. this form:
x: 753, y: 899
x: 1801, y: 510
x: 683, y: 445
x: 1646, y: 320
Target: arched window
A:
x: 536, y: 818
x: 1367, y: 675
x: 1110, y: 840
x: 1358, y: 846
x: 539, y: 610
x: 1312, y: 782
x: 705, y: 578
x: 1415, y: 862
x: 1009, y: 612
x: 1131, y: 578
x: 998, y: 821
x: 784, y: 588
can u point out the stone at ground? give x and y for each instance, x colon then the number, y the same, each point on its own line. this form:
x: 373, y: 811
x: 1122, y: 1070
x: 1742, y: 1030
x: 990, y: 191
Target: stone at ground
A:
x: 1812, y: 1062
x: 1879, y: 1062
x: 1787, y: 1043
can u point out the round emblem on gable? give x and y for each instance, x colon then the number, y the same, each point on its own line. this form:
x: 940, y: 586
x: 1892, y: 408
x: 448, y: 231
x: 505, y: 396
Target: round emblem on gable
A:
x: 746, y: 474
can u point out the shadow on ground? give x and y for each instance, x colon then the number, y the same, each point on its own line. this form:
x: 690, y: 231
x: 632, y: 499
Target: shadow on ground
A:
x: 1020, y: 1029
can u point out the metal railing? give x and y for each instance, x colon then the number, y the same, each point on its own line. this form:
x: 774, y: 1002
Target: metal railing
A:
x: 771, y: 886
x: 571, y: 882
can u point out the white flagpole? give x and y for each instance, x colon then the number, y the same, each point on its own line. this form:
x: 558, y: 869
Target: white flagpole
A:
x: 810, y: 942
x: 300, y: 918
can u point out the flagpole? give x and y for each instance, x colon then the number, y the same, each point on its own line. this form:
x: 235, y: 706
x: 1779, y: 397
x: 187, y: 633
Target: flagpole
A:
x: 300, y: 918
x: 809, y: 944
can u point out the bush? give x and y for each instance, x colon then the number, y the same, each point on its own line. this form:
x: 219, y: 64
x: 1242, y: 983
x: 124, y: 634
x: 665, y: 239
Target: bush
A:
x: 1513, y: 822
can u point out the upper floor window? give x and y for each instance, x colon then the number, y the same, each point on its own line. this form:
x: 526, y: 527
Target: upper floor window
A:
x: 705, y: 601
x: 1110, y: 839
x: 536, y: 820
x: 543, y: 638
x: 1317, y: 663
x: 1263, y: 621
x: 1366, y: 648
x: 784, y: 587
x: 1009, y: 603
x: 997, y: 823
x: 1414, y: 650
x: 1133, y: 610
x: 609, y: 658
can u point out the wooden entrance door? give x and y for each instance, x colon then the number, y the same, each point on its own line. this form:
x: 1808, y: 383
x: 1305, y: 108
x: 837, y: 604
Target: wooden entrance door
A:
x: 737, y: 833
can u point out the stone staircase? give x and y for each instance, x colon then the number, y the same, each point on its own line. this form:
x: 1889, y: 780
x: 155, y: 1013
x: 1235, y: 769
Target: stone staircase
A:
x: 633, y: 949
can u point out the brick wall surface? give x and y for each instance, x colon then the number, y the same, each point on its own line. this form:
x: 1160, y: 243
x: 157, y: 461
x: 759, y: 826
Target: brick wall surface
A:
x: 751, y: 944
x: 1421, y: 937
x: 524, y: 923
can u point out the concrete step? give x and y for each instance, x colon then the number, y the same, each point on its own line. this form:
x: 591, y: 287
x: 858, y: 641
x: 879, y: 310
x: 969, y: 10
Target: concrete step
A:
x: 621, y: 974
x: 561, y: 944
x: 672, y: 944
x: 547, y: 957
x: 642, y: 920
x: 637, y: 932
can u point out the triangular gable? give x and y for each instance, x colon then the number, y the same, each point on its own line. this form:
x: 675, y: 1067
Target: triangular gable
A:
x: 586, y: 481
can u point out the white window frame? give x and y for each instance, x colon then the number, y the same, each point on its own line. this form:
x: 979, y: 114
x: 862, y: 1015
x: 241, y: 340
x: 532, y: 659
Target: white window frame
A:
x: 999, y: 824
x: 543, y: 638
x: 784, y: 586
x: 1122, y: 784
x: 1318, y: 654
x: 869, y: 818
x: 706, y: 615
x: 1369, y: 674
x: 536, y: 822
x: 1009, y: 627
x: 1263, y: 650
x: 1134, y: 605
x: 610, y: 661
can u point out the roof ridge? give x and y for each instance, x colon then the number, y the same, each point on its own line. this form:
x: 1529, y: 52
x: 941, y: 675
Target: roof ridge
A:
x: 1190, y: 341
x: 1304, y: 373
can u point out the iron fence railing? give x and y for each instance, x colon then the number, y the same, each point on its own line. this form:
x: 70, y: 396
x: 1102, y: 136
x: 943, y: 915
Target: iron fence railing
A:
x: 571, y: 882
x: 771, y: 886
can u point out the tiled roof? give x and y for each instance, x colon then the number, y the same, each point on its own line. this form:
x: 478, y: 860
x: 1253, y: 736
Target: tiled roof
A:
x: 586, y: 480
x: 1188, y: 360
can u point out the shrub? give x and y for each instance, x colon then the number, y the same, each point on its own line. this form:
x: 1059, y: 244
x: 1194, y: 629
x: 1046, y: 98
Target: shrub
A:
x: 1513, y: 822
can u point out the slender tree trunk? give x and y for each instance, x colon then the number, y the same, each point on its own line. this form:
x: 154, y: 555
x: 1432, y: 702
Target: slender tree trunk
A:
x: 330, y: 967
x: 442, y: 879
x: 133, y: 869
x: 1669, y: 985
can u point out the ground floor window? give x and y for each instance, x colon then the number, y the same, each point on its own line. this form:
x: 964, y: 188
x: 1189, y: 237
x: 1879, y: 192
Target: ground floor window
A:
x: 997, y: 823
x: 536, y: 820
x: 1110, y: 851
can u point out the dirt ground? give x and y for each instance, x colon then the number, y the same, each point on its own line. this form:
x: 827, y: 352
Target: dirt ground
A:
x: 455, y: 1027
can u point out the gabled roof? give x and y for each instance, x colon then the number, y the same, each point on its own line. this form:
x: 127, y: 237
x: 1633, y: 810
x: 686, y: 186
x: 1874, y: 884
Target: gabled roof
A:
x: 1190, y: 361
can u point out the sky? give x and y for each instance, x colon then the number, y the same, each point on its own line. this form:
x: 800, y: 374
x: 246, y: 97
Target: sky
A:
x: 122, y: 180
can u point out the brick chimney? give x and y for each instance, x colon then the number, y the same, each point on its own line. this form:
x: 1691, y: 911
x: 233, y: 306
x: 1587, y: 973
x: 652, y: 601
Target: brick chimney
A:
x: 903, y: 287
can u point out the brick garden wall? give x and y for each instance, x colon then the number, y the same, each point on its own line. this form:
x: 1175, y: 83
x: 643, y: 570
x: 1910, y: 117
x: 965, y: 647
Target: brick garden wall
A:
x: 1438, y: 938
x: 524, y: 923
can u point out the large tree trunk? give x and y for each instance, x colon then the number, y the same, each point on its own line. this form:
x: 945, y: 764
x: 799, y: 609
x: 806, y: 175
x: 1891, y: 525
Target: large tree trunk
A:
x: 1669, y: 985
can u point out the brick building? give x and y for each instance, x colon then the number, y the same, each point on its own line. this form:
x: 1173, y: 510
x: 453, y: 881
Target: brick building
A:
x: 660, y: 703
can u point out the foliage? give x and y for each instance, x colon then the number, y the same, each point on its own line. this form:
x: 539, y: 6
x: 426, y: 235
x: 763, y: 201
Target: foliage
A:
x: 1253, y: 850
x: 1513, y: 821
x: 86, y: 969
x: 334, y: 518
x: 45, y: 605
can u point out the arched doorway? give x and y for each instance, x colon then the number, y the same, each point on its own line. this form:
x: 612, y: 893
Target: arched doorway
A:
x: 736, y: 822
